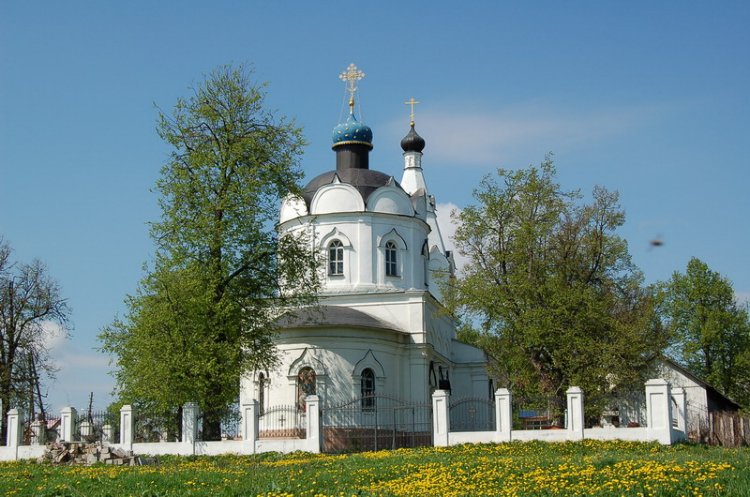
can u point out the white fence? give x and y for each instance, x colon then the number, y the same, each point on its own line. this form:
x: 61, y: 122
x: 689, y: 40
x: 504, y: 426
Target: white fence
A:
x: 664, y: 425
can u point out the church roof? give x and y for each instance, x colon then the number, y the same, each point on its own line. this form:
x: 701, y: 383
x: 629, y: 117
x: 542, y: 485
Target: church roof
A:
x: 330, y: 315
x: 365, y: 181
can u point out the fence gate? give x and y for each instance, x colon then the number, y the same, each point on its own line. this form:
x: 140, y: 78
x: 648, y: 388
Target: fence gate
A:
x: 376, y: 422
x: 472, y: 414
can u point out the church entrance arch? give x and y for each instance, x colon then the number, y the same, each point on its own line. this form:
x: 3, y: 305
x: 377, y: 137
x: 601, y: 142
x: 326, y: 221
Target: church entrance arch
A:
x: 376, y: 422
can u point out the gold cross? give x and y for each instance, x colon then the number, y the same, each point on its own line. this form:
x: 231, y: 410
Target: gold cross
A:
x: 351, y: 76
x: 411, y: 102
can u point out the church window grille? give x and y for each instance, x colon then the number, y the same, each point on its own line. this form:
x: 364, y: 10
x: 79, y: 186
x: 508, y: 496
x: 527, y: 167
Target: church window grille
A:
x: 336, y: 258
x: 391, y: 261
x: 368, y: 389
x: 305, y: 386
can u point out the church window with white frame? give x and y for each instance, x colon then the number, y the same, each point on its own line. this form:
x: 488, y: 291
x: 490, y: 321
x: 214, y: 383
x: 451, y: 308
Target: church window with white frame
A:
x: 391, y: 259
x: 336, y: 258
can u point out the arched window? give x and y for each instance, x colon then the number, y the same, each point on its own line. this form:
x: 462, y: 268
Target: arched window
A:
x: 305, y: 386
x: 368, y: 389
x: 336, y: 258
x: 391, y: 261
x: 261, y: 393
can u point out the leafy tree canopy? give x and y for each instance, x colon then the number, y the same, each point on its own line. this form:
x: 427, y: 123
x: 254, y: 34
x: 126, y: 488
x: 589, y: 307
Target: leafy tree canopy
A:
x: 710, y: 331
x: 550, y: 288
x: 204, y: 313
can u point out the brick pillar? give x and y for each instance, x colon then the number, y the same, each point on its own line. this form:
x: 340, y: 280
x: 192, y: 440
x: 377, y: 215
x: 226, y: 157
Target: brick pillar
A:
x: 659, y: 410
x: 440, y: 418
x: 127, y: 426
x: 107, y: 434
x: 190, y: 422
x: 250, y: 424
x: 14, y: 437
x: 312, y: 422
x: 86, y: 430
x: 503, y: 415
x: 68, y: 417
x: 38, y: 432
x: 575, y: 413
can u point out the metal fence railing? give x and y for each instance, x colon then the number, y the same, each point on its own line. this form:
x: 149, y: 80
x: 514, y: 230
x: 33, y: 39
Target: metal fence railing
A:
x: 284, y: 421
x: 472, y: 414
x: 157, y: 427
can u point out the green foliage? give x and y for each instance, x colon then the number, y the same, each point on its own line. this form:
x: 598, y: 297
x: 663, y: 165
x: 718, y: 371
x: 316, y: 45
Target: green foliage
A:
x: 204, y: 314
x: 710, y: 332
x: 552, y: 288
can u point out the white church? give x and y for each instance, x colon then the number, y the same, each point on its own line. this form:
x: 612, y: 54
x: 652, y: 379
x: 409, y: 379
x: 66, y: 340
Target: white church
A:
x: 381, y: 327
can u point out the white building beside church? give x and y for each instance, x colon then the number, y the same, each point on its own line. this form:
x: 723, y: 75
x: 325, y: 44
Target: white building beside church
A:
x: 381, y: 327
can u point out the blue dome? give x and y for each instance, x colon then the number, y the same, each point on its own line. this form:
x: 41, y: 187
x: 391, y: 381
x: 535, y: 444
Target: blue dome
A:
x: 352, y: 131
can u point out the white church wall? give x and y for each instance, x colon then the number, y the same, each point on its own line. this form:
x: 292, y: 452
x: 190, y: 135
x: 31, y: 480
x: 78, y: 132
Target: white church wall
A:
x: 338, y: 356
x: 292, y: 207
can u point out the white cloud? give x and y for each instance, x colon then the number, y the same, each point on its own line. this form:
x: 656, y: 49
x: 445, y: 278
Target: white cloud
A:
x: 54, y: 336
x: 496, y: 137
x: 448, y: 230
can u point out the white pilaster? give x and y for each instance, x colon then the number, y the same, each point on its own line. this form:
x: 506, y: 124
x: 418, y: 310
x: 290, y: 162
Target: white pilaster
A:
x: 503, y: 415
x: 189, y: 422
x: 67, y: 422
x: 575, y: 413
x: 659, y: 410
x: 14, y: 437
x: 312, y: 421
x: 440, y: 420
x: 250, y: 424
x: 127, y: 426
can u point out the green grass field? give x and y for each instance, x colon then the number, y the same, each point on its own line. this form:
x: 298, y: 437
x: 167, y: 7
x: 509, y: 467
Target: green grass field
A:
x: 522, y: 469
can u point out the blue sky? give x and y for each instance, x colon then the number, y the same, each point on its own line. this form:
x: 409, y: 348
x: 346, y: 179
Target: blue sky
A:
x: 647, y: 98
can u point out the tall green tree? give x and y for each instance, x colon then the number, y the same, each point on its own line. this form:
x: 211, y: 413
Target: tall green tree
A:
x: 550, y: 288
x: 710, y: 331
x: 204, y: 314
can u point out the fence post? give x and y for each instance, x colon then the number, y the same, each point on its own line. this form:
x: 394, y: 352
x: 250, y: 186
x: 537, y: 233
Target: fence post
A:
x: 127, y: 426
x: 68, y: 417
x: 38, y: 432
x: 14, y: 437
x: 86, y: 430
x: 503, y: 415
x: 659, y: 410
x: 107, y: 433
x: 440, y: 418
x: 190, y: 422
x: 575, y: 413
x: 678, y: 394
x: 250, y: 424
x: 313, y: 423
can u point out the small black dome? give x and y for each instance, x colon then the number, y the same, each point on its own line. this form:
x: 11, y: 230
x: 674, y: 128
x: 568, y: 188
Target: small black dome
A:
x: 412, y: 142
